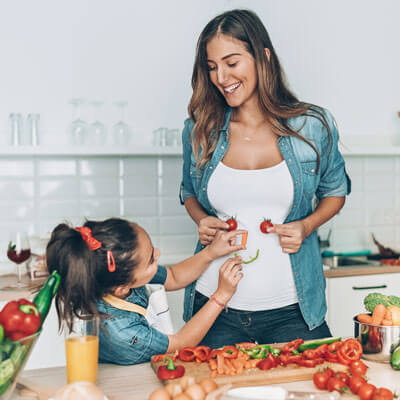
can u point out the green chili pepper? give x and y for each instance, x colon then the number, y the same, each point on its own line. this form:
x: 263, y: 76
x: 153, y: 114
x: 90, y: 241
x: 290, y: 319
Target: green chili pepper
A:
x: 253, y: 258
x: 262, y: 353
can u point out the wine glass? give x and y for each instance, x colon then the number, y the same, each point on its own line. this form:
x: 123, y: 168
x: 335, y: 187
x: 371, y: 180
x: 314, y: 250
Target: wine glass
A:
x: 98, y: 131
x: 78, y: 128
x: 121, y: 130
x: 19, y: 251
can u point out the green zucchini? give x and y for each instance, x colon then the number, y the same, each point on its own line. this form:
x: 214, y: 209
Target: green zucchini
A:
x: 395, y: 359
x: 315, y: 343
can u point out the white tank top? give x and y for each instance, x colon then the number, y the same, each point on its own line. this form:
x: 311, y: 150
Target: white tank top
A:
x: 251, y: 195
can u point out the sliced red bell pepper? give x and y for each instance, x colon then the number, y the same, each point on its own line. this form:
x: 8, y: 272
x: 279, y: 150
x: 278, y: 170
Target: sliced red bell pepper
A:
x: 310, y: 363
x: 170, y: 371
x: 230, y: 352
x: 350, y: 350
x: 292, y: 346
x: 213, y: 354
x: 245, y: 345
x: 201, y: 353
x: 20, y: 318
x: 186, y: 354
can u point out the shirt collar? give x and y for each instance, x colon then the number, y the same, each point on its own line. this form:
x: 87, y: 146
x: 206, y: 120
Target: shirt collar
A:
x: 225, y: 126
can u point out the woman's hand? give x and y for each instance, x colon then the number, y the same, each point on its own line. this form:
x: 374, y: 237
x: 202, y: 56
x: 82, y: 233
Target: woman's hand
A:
x: 208, y: 227
x: 224, y: 243
x: 291, y: 235
x: 229, y: 277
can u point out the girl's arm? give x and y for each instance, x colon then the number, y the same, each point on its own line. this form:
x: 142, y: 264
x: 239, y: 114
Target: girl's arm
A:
x: 193, y: 332
x: 182, y: 274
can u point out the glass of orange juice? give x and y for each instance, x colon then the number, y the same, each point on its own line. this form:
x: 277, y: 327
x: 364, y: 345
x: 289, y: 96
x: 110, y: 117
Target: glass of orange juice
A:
x: 82, y: 349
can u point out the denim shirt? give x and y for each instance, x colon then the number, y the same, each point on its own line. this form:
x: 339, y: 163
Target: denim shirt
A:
x: 126, y: 337
x: 330, y: 179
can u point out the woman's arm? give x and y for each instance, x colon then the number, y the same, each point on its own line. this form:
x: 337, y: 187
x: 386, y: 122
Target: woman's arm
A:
x: 182, y: 274
x: 292, y: 234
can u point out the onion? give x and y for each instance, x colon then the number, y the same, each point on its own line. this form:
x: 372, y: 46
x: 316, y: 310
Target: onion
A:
x: 79, y: 391
x: 173, y: 389
x: 160, y: 394
x: 196, y: 392
x: 208, y: 385
x: 186, y: 381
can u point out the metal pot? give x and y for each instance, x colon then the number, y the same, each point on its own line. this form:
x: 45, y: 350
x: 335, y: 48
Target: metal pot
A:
x: 378, y: 342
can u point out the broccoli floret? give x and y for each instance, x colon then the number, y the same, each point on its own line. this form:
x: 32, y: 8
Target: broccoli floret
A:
x: 394, y: 301
x: 373, y: 299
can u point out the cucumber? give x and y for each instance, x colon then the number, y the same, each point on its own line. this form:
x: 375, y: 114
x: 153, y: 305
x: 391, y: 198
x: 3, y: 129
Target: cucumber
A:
x: 315, y: 343
x: 395, y: 359
x: 7, y: 370
x: 18, y: 355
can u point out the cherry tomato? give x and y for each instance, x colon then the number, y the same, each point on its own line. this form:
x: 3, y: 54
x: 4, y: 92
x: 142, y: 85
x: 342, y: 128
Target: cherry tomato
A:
x: 355, y: 382
x: 366, y: 391
x: 343, y: 376
x: 329, y: 371
x: 265, y: 225
x: 232, y: 224
x: 358, y: 368
x: 336, y: 384
x: 320, y: 380
x: 383, y: 394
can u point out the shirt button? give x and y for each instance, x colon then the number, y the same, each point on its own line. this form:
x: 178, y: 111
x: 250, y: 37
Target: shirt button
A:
x: 313, y: 170
x: 290, y: 160
x: 191, y: 294
x: 222, y: 147
x: 210, y: 166
x: 204, y: 189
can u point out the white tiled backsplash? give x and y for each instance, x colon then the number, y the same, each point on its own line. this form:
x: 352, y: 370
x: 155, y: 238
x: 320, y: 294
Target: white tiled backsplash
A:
x: 37, y: 193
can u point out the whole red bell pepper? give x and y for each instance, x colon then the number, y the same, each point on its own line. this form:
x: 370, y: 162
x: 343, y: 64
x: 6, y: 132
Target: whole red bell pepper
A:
x: 20, y: 318
x: 170, y: 371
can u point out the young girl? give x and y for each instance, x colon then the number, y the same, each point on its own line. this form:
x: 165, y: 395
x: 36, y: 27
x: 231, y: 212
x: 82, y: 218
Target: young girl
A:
x: 110, y: 262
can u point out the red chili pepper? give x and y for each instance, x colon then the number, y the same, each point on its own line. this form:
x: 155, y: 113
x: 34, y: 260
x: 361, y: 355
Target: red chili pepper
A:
x: 230, y: 352
x: 186, y: 354
x: 291, y: 346
x: 170, y: 371
x: 20, y: 318
x: 201, y: 353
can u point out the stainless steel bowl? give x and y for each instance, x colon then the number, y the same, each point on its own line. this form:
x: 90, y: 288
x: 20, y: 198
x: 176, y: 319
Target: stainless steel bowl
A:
x: 378, y: 342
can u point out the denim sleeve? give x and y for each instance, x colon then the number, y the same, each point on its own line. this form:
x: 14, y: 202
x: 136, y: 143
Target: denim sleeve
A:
x: 186, y: 190
x: 334, y: 180
x: 160, y: 276
x: 129, y: 341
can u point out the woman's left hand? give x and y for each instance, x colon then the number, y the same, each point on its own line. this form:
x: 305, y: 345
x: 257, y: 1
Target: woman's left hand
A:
x: 291, y: 235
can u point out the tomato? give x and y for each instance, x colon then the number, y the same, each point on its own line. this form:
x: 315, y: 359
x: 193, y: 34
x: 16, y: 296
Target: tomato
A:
x: 232, y: 224
x: 320, y: 380
x: 329, y: 371
x: 292, y: 346
x: 265, y: 225
x: 350, y: 350
x: 336, y: 384
x: 343, y: 376
x: 383, y: 394
x: 358, y: 368
x: 355, y: 382
x: 366, y: 391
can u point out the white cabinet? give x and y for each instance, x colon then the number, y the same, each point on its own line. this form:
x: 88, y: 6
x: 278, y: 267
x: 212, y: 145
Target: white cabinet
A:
x: 345, y: 296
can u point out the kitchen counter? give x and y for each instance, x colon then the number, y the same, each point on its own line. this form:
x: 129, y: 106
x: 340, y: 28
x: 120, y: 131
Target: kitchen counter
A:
x: 356, y: 271
x: 8, y: 293
x: 136, y: 382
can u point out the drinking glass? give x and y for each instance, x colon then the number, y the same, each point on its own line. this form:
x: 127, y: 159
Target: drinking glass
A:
x: 15, y: 129
x: 33, y: 128
x: 98, y: 131
x: 121, y: 130
x: 82, y: 348
x: 78, y: 128
x: 19, y: 251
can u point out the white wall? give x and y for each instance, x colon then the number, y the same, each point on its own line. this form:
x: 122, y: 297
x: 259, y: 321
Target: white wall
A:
x: 340, y: 54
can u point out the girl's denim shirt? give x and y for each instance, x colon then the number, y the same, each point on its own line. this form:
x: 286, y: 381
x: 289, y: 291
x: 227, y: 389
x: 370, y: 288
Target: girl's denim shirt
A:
x: 126, y: 337
x: 309, y: 182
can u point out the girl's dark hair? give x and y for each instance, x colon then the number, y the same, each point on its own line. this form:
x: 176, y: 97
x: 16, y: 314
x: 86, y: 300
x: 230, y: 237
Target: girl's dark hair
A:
x: 207, y: 105
x: 84, y: 273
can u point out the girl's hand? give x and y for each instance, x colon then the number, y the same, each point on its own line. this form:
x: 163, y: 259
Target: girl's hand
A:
x: 291, y: 235
x: 208, y: 227
x: 229, y: 277
x: 224, y: 243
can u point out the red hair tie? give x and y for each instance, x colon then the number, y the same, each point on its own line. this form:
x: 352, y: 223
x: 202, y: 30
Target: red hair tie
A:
x: 87, y: 236
x: 110, y: 261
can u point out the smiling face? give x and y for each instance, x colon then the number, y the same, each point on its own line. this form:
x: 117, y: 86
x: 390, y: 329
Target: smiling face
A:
x: 147, y: 257
x: 232, y: 70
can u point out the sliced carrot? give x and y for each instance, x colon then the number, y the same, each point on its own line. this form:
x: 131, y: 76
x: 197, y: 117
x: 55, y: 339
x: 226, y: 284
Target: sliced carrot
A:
x: 364, y: 318
x: 220, y: 364
x: 244, y: 238
x: 214, y: 374
x: 378, y: 314
x: 238, y: 364
x: 212, y: 364
x: 228, y: 366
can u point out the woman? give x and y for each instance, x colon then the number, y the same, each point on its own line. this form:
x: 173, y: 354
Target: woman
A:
x: 252, y: 150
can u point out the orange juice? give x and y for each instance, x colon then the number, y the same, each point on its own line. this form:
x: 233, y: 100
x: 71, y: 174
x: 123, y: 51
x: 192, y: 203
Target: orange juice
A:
x: 82, y: 354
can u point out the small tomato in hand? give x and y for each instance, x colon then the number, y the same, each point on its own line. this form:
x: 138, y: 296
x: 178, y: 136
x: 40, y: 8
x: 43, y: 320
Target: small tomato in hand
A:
x: 355, y: 382
x: 336, y: 384
x: 366, y: 391
x: 265, y: 225
x: 232, y: 224
x: 320, y: 380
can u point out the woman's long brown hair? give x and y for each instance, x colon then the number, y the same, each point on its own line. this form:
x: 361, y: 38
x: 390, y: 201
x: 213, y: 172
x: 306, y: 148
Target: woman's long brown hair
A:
x: 207, y: 106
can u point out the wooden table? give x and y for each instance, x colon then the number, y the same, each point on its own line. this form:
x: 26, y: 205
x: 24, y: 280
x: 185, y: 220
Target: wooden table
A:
x: 136, y: 382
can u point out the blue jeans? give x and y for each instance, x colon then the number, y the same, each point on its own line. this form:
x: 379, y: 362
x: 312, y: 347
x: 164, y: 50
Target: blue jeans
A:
x: 271, y: 326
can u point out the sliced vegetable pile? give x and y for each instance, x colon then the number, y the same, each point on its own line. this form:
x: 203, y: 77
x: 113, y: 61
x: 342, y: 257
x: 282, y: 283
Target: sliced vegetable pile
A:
x: 19, y: 320
x: 233, y: 360
x: 355, y: 381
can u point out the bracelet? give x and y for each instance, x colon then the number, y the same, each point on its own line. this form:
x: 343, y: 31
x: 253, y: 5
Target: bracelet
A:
x: 222, y: 305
